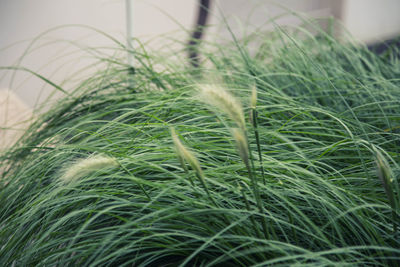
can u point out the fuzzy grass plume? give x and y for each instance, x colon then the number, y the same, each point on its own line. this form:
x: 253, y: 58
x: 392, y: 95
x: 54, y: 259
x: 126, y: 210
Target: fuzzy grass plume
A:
x: 253, y: 99
x: 220, y: 98
x: 86, y: 166
x: 242, y: 145
x: 386, y: 176
x: 185, y: 155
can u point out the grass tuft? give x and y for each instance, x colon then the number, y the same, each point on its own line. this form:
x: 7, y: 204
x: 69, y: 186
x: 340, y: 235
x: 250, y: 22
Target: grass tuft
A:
x: 167, y: 178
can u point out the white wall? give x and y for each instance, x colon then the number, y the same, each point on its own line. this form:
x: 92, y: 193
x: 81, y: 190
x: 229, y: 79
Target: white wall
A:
x: 243, y: 16
x: 26, y: 19
x: 371, y: 21
x: 60, y: 60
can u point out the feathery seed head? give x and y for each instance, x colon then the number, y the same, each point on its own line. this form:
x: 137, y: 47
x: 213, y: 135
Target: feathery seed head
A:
x: 224, y: 101
x: 242, y: 145
x: 253, y: 100
x: 251, y: 117
x: 185, y: 154
x: 386, y: 176
x: 384, y: 172
x: 180, y: 149
x: 86, y: 166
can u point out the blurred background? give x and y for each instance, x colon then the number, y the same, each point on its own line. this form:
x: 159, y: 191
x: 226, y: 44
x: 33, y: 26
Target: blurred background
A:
x: 48, y: 36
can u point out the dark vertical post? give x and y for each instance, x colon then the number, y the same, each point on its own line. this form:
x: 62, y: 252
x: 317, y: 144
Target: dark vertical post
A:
x: 202, y: 16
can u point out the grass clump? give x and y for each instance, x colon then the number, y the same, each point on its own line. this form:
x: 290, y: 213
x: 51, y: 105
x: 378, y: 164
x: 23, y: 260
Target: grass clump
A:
x: 310, y: 178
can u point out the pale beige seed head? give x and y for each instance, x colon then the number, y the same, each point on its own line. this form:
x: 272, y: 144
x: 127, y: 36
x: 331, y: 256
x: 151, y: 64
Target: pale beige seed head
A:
x: 384, y: 171
x: 386, y: 176
x: 242, y: 145
x: 185, y: 154
x: 221, y: 99
x: 86, y: 166
x: 177, y: 143
x: 253, y: 100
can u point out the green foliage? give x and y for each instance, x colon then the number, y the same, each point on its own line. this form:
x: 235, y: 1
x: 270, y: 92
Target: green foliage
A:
x: 326, y: 114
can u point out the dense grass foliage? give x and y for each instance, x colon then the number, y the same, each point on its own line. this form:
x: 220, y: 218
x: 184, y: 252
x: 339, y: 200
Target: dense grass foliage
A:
x: 152, y: 173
